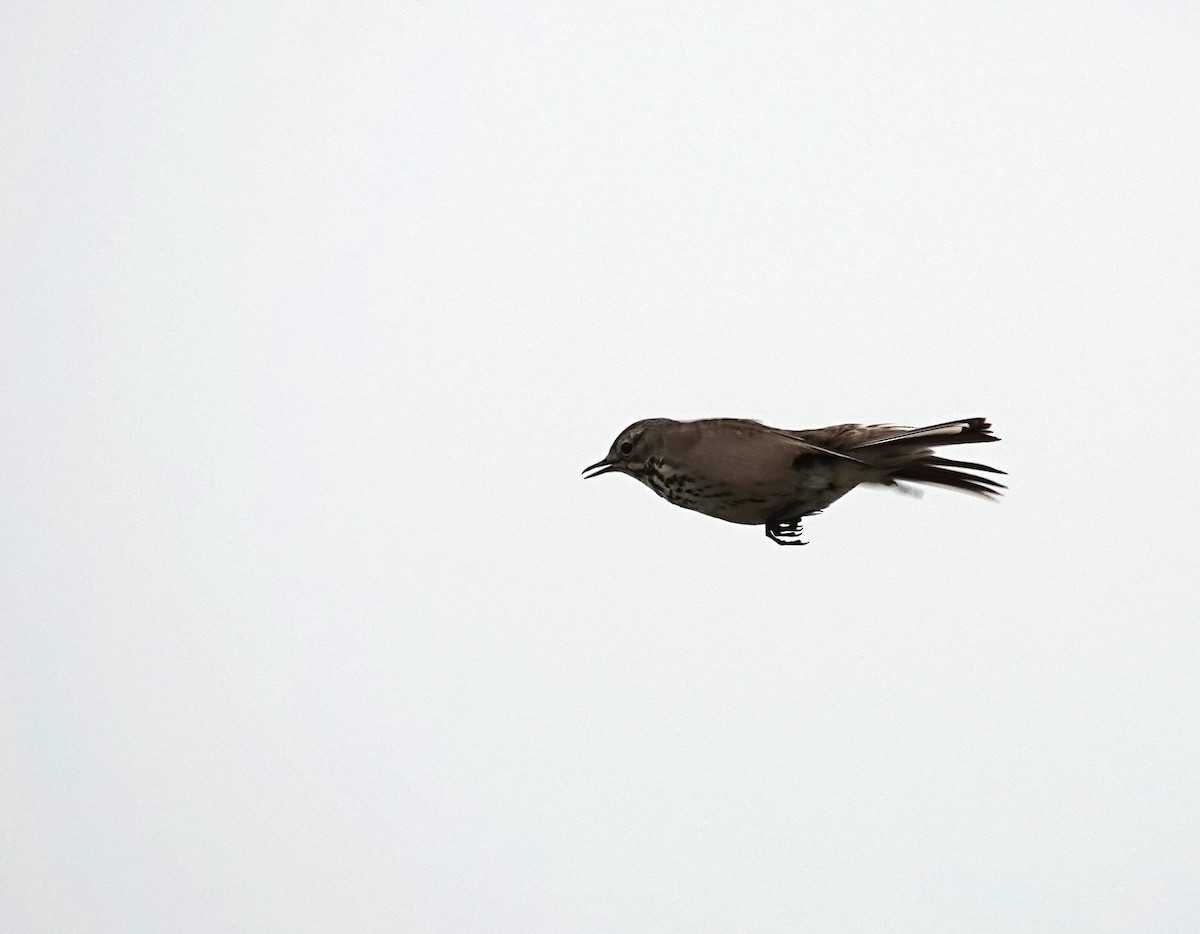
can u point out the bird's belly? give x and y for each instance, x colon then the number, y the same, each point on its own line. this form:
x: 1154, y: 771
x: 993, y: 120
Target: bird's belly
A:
x: 745, y: 507
x: 744, y: 504
x: 742, y: 509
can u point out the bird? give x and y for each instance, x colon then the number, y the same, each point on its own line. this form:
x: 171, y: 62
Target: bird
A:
x: 743, y: 471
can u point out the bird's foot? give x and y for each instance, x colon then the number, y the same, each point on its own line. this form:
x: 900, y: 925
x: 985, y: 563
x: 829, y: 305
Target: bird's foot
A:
x: 787, y: 532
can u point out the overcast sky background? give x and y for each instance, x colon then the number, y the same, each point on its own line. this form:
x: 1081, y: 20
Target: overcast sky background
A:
x: 312, y: 316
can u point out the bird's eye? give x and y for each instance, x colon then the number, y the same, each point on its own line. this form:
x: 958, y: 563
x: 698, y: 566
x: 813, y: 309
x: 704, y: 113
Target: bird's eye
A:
x: 626, y: 448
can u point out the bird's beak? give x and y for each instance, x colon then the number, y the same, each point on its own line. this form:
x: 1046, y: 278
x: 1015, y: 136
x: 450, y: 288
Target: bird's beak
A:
x: 599, y: 467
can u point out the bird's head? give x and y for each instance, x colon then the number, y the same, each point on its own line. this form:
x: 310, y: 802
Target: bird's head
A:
x: 632, y: 450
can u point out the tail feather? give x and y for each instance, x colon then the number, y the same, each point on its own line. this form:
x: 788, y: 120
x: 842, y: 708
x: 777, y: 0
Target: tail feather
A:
x: 925, y: 472
x: 907, y: 456
x: 965, y: 465
x: 963, y: 431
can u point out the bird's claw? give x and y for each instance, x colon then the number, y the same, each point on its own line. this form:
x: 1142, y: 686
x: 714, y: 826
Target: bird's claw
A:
x: 785, y: 533
x: 788, y: 531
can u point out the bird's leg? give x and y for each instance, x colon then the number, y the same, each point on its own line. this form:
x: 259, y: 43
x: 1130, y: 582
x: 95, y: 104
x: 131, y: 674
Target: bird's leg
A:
x: 787, y: 531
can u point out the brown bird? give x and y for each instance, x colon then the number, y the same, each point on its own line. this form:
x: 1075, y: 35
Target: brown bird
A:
x: 750, y: 473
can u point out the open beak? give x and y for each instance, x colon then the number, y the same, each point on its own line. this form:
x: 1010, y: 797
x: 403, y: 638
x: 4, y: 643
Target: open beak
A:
x: 598, y: 468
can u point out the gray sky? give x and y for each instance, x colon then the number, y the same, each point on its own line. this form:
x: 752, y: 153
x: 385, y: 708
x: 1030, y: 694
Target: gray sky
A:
x: 313, y: 316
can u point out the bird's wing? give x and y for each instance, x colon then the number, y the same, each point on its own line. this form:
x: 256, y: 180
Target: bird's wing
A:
x: 818, y: 441
x: 845, y: 438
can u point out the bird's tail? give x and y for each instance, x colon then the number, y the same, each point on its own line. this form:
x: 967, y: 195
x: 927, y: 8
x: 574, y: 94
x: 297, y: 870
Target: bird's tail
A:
x: 908, y: 457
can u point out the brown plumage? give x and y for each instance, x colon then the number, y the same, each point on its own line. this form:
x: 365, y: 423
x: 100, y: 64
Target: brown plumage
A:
x: 746, y: 472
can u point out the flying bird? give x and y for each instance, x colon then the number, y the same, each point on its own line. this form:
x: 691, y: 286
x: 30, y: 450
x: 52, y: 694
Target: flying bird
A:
x: 746, y: 472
